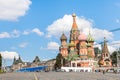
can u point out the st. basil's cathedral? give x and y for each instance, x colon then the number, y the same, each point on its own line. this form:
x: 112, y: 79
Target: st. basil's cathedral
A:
x: 80, y: 49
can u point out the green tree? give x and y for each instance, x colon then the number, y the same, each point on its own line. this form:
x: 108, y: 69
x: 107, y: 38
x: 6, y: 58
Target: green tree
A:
x: 114, y: 57
x: 60, y: 61
x: 0, y: 62
x: 98, y: 53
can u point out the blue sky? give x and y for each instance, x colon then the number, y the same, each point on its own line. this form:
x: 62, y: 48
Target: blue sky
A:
x: 32, y: 28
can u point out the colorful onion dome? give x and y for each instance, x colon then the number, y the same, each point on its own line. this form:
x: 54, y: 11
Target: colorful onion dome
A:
x: 71, y: 44
x: 90, y: 38
x: 63, y: 37
x: 88, y: 44
x: 82, y: 37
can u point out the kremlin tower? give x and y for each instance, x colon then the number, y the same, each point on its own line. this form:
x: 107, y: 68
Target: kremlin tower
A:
x: 105, y: 60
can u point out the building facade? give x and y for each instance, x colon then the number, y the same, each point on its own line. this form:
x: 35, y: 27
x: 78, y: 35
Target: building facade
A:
x: 19, y: 64
x: 79, y: 51
x: 105, y: 60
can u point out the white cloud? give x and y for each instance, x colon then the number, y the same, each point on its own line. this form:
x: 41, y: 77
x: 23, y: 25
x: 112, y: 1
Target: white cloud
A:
x: 5, y: 35
x: 112, y: 46
x: 37, y: 31
x: 97, y: 45
x: 60, y: 25
x: 23, y: 45
x: 115, y: 44
x: 13, y: 9
x: 99, y: 33
x: 64, y: 25
x: 26, y: 32
x: 111, y: 49
x: 15, y: 33
x: 53, y: 46
x: 9, y: 55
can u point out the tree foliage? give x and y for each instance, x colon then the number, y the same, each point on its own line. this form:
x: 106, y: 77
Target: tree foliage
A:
x: 0, y: 61
x: 114, y: 57
x: 59, y: 61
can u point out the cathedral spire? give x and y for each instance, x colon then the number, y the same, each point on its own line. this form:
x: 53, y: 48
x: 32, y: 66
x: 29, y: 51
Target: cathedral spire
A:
x: 14, y: 60
x: 105, y: 57
x: 105, y: 49
x: 74, y: 25
x: 19, y: 60
x: 74, y: 33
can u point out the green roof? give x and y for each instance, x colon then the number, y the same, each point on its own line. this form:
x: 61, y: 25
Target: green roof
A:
x: 71, y: 44
x: 88, y: 44
x: 90, y: 38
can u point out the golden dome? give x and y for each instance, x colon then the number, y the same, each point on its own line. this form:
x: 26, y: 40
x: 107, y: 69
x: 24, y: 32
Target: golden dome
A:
x: 74, y: 15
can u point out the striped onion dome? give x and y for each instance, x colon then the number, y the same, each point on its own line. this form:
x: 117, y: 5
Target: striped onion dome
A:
x: 90, y: 38
x: 71, y: 44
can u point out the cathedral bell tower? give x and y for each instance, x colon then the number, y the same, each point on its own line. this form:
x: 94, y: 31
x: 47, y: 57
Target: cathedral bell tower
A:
x: 90, y: 43
x: 74, y: 33
x: 82, y: 46
x: 63, y: 48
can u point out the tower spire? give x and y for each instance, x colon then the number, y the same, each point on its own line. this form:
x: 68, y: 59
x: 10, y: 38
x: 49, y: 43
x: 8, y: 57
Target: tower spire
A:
x: 74, y: 16
x: 105, y: 58
x: 105, y: 48
x: 74, y: 26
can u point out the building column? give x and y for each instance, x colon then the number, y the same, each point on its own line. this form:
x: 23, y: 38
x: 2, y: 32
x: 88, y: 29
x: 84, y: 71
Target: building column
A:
x: 75, y: 64
x: 70, y: 64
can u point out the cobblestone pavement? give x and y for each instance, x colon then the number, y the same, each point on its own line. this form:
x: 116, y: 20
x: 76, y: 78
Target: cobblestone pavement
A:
x: 60, y: 76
